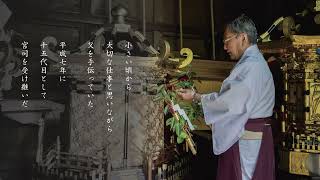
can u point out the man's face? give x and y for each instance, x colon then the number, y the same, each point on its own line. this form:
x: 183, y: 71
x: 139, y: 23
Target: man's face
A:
x: 233, y: 44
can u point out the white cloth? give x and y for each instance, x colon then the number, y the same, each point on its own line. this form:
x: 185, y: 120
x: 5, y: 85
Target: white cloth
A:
x: 247, y: 93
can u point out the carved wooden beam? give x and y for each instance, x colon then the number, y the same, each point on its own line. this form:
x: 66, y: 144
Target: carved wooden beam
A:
x: 212, y: 70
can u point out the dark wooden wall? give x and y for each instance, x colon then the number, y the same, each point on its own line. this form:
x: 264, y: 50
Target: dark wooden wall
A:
x: 73, y: 21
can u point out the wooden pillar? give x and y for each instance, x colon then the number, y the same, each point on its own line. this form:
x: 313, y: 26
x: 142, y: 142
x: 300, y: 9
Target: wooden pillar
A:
x: 40, y: 141
x: 149, y: 167
x: 58, y: 150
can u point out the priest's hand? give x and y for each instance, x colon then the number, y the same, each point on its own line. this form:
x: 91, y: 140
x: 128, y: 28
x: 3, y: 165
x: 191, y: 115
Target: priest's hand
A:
x: 186, y: 94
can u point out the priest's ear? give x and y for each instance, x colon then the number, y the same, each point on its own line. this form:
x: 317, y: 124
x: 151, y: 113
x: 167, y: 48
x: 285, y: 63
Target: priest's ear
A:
x: 245, y: 38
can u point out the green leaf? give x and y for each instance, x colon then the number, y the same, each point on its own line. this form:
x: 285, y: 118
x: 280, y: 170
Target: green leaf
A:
x: 172, y: 125
x: 180, y: 84
x: 179, y: 140
x: 172, y: 94
x: 191, y: 116
x: 165, y: 94
x: 188, y: 84
x: 157, y: 98
x: 182, y: 74
x: 192, y: 74
x: 159, y: 88
x: 178, y: 129
x: 168, y: 122
x: 183, y: 135
x: 166, y: 109
x: 182, y: 122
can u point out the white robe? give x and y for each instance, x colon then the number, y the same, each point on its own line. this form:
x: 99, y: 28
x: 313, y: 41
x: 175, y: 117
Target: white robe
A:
x: 247, y: 93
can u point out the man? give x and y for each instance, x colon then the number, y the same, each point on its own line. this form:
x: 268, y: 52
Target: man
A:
x: 239, y: 113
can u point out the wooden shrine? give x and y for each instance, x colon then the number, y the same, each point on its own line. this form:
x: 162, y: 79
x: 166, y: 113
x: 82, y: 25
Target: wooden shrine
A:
x: 298, y: 113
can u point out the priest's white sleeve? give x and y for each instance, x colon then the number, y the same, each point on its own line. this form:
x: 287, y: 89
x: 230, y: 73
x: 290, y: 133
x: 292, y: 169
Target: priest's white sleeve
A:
x: 227, y: 112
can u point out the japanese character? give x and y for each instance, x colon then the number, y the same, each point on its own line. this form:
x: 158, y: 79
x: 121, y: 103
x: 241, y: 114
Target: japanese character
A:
x: 44, y: 70
x: 90, y: 95
x: 24, y: 95
x: 43, y: 45
x: 44, y: 95
x: 24, y: 62
x: 63, y: 62
x: 109, y: 87
x: 109, y: 104
x: 109, y: 120
x: 90, y: 104
x: 90, y: 86
x: 90, y: 53
x: 128, y: 87
x: 24, y: 87
x: 43, y: 87
x: 90, y: 45
x: 90, y: 62
x: 109, y: 78
x: 43, y: 78
x: 109, y: 53
x: 63, y: 70
x: 62, y: 53
x: 129, y: 62
x: 109, y: 95
x: 128, y: 45
x: 24, y: 78
x: 62, y: 78
x: 128, y: 78
x: 25, y: 103
x: 109, y: 62
x: 43, y: 61
x: 43, y: 53
x: 109, y: 112
x: 24, y: 45
x: 109, y: 45
x: 25, y: 53
x: 128, y: 70
x: 24, y: 70
x: 109, y: 70
x: 90, y: 70
x: 63, y: 44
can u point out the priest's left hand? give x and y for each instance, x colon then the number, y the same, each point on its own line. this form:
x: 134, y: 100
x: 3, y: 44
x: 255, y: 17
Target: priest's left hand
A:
x: 186, y: 94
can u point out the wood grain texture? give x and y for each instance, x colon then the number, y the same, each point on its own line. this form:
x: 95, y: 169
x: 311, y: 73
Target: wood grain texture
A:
x: 213, y: 70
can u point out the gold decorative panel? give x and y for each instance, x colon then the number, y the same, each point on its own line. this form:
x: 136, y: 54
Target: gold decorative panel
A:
x: 297, y: 163
x: 314, y: 100
x: 300, y: 112
x: 294, y: 162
